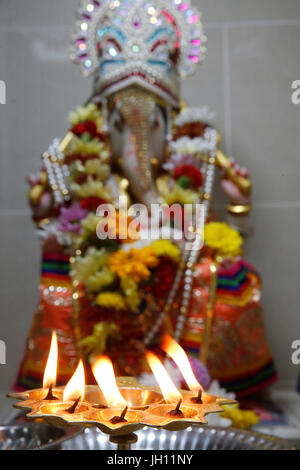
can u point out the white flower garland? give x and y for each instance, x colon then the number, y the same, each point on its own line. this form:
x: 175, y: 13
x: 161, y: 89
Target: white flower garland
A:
x: 192, y: 115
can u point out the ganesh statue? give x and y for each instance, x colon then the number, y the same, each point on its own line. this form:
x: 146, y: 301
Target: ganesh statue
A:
x: 131, y: 247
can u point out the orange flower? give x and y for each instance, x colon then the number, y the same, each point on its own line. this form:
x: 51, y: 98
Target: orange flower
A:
x: 134, y: 264
x: 123, y: 226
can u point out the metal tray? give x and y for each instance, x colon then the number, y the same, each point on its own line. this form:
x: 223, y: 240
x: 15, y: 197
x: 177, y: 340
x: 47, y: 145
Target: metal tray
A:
x: 41, y: 436
x: 192, y: 438
x: 34, y: 436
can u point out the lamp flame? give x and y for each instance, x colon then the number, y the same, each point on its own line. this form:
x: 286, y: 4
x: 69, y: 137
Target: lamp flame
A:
x: 51, y: 366
x: 104, y: 374
x: 75, y: 388
x: 171, y: 347
x: 168, y: 389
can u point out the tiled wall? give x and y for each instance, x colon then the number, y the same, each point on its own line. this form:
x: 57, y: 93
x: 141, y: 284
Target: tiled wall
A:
x: 253, y: 57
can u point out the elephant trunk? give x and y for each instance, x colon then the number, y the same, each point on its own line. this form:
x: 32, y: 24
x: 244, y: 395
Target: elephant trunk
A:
x: 137, y: 110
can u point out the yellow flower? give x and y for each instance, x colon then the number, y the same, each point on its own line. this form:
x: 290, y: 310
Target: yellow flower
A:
x: 241, y: 419
x: 95, y: 344
x: 102, y: 278
x: 79, y: 146
x: 171, y: 194
x: 111, y: 300
x: 91, y: 167
x: 130, y: 289
x: 166, y: 248
x: 76, y: 169
x: 123, y: 226
x: 91, y: 188
x: 180, y: 196
x: 89, y: 112
x: 96, y: 167
x: 134, y: 263
x: 89, y: 226
x: 92, y: 270
x: 224, y: 239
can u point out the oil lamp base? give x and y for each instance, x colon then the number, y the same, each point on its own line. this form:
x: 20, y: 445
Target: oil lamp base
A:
x: 124, y: 442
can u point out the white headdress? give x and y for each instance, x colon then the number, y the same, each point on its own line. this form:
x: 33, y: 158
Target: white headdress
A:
x: 151, y: 43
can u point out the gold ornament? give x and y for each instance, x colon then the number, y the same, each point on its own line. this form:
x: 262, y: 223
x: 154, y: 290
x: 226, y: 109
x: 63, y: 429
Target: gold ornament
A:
x: 239, y: 209
x: 243, y: 183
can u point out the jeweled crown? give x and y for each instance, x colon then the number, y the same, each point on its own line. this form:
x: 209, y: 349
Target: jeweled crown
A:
x: 151, y: 43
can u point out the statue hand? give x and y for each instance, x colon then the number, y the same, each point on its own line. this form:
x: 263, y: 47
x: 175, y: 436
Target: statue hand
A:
x: 33, y: 179
x: 234, y: 193
x: 39, y: 195
x: 231, y: 189
x: 43, y: 207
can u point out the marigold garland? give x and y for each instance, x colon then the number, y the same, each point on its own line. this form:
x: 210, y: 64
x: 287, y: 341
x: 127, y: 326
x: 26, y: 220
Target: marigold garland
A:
x: 130, y: 289
x: 179, y: 195
x: 133, y: 263
x: 95, y: 344
x: 87, y: 113
x: 91, y: 147
x: 111, y: 300
x: 242, y: 419
x: 92, y: 270
x: 166, y: 248
x: 222, y: 238
x: 91, y: 188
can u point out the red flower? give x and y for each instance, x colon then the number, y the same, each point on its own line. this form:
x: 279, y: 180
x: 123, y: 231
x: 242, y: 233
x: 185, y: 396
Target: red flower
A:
x: 91, y: 203
x: 81, y: 179
x: 191, y: 129
x: 164, y: 276
x: 87, y: 127
x: 190, y: 172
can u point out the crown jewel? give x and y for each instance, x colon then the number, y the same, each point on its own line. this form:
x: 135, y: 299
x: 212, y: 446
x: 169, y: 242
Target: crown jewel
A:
x: 147, y: 42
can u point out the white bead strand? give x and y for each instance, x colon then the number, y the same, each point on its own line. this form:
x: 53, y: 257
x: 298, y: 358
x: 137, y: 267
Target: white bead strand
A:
x: 208, y: 186
x: 189, y: 258
x: 57, y: 173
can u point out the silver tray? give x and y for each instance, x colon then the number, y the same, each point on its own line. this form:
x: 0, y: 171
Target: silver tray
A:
x: 33, y: 436
x: 192, y: 438
x: 41, y: 436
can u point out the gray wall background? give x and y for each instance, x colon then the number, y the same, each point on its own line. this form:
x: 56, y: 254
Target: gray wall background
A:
x: 253, y: 57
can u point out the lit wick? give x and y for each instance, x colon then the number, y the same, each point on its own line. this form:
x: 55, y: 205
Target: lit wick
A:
x: 49, y: 379
x: 177, y: 411
x: 121, y: 418
x: 75, y: 388
x: 72, y: 408
x: 198, y: 398
x: 50, y: 395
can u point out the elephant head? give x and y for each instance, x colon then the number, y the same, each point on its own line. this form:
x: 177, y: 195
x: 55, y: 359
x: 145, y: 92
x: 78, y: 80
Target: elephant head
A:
x: 137, y: 128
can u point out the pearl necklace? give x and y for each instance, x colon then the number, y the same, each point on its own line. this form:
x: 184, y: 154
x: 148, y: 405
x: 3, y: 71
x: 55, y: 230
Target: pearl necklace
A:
x: 57, y: 172
x: 189, y: 258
